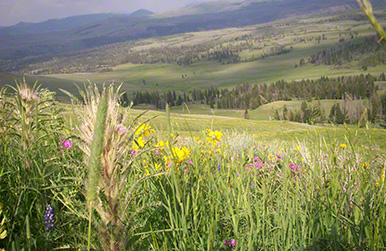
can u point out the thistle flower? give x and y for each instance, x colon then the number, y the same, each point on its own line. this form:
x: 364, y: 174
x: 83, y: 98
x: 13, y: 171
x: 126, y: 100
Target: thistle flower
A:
x: 49, y: 218
x: 121, y: 129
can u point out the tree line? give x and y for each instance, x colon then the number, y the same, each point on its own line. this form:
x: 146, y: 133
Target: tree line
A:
x: 356, y: 94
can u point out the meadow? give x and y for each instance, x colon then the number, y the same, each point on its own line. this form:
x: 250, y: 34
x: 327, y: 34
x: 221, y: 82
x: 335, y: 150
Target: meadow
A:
x: 251, y: 43
x: 92, y: 174
x: 97, y: 176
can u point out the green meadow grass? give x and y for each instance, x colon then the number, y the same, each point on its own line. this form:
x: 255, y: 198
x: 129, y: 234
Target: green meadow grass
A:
x: 221, y: 183
x: 204, y: 74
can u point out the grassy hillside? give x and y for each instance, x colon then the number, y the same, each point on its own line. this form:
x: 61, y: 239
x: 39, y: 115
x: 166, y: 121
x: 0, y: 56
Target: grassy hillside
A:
x: 300, y: 34
x: 119, y: 29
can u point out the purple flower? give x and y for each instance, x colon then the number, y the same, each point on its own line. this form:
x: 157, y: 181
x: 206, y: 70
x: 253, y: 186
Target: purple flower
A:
x: 190, y: 162
x: 218, y: 167
x: 278, y: 156
x: 133, y: 152
x: 226, y: 243
x: 67, y: 144
x: 256, y: 159
x: 294, y: 167
x: 49, y: 218
x: 258, y: 165
x: 233, y: 242
x: 252, y: 185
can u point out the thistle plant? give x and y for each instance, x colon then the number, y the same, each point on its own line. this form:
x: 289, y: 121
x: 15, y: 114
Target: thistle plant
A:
x: 106, y: 132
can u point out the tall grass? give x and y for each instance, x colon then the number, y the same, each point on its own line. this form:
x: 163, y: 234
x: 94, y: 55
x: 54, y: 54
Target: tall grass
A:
x: 154, y: 190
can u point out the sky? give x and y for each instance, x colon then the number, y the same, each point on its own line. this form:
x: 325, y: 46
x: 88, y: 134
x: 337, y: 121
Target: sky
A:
x: 15, y: 11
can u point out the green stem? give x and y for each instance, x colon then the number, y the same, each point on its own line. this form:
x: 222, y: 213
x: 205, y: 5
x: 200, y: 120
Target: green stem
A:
x: 89, y: 227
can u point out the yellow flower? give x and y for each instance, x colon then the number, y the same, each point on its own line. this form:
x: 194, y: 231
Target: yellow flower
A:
x: 269, y: 156
x: 365, y: 165
x: 213, y: 136
x: 297, y: 148
x: 182, y: 153
x: 377, y: 184
x: 147, y: 173
x: 161, y: 145
x: 144, y: 130
x: 343, y: 146
x: 66, y: 131
x: 139, y: 143
x: 157, y: 166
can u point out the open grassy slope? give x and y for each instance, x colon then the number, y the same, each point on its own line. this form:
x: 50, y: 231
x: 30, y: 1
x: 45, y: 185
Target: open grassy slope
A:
x: 204, y: 73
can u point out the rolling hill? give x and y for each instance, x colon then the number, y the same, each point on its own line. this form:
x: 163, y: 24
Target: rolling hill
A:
x: 48, y: 39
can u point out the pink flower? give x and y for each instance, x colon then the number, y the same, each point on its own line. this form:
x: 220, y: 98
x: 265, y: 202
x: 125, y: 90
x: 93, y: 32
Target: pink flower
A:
x: 233, y: 242
x: 294, y: 167
x: 133, y: 152
x: 190, y: 162
x: 258, y: 165
x: 67, y: 144
x: 226, y: 243
x: 121, y: 129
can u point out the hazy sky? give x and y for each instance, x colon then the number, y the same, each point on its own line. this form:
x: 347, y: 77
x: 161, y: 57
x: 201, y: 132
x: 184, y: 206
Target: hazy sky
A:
x: 15, y: 11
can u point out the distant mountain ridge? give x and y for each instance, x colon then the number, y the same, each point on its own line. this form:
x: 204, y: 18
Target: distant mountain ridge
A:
x: 64, y: 24
x: 141, y: 13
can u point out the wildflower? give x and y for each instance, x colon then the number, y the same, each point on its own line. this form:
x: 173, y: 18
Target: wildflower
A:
x: 218, y: 167
x: 157, y: 166
x: 67, y: 144
x: 49, y: 218
x: 121, y: 129
x: 294, y: 167
x: 343, y: 146
x: 377, y: 184
x: 133, y: 152
x: 252, y: 185
x: 182, y: 153
x: 144, y: 130
x: 230, y: 243
x: 139, y: 143
x: 278, y: 156
x: 190, y: 162
x: 213, y: 136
